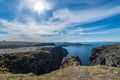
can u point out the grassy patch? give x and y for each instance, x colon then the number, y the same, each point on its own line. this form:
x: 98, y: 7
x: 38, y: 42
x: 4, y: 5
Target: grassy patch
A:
x: 71, y: 73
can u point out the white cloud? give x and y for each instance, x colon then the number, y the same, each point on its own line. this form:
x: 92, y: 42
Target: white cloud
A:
x: 31, y: 30
x: 86, y: 16
x: 38, y: 6
x: 86, y: 30
x: 17, y: 30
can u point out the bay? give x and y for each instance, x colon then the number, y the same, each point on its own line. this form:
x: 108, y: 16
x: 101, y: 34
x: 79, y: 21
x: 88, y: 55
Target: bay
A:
x: 84, y: 51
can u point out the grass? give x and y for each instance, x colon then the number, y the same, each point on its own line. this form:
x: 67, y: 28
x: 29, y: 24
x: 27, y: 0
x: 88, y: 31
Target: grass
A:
x: 70, y: 73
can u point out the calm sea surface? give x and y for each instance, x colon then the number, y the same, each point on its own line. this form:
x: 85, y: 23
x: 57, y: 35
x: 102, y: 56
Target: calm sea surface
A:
x: 84, y: 51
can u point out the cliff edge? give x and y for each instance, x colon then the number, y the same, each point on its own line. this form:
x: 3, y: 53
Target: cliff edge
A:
x: 37, y: 60
x: 108, y: 55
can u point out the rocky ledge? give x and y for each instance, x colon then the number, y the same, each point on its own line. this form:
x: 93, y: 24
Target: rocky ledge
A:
x: 108, y: 55
x: 73, y: 60
x: 37, y: 60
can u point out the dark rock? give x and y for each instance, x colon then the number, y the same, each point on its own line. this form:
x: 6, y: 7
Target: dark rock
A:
x: 39, y: 61
x: 63, y: 44
x: 73, y: 60
x: 108, y: 55
x: 45, y: 44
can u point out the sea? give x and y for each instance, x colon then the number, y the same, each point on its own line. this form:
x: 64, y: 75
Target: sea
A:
x: 84, y: 51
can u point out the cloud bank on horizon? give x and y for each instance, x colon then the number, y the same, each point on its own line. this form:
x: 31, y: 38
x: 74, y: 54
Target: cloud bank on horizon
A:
x: 60, y: 20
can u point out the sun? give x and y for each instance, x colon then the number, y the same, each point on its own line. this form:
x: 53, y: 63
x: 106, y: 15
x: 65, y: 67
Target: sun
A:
x: 41, y: 6
x: 38, y: 6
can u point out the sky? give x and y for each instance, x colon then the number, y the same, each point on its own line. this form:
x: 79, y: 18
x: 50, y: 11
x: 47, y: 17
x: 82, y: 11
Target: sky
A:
x: 60, y: 20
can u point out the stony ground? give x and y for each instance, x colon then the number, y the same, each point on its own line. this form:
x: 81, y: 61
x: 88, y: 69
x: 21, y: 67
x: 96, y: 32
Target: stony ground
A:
x: 22, y: 49
x: 70, y: 73
x: 16, y: 44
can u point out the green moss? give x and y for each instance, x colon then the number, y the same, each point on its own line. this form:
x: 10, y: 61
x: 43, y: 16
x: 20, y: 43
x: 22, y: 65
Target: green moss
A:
x: 3, y: 70
x: 13, y: 61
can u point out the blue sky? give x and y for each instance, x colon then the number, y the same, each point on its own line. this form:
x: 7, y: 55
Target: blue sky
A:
x: 60, y: 20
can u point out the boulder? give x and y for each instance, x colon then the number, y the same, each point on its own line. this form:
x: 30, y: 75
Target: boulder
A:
x: 38, y: 61
x: 73, y: 60
x: 108, y: 55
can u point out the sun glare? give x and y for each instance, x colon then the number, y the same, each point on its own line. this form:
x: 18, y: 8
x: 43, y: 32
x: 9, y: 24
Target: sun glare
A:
x: 41, y: 6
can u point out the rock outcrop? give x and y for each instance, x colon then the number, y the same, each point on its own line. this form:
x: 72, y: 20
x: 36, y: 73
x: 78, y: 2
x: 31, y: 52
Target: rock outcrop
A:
x: 106, y: 55
x: 73, y: 60
x: 38, y: 61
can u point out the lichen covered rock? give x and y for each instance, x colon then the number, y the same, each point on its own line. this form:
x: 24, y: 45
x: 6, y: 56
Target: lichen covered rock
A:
x: 106, y: 55
x: 73, y: 60
x: 38, y: 61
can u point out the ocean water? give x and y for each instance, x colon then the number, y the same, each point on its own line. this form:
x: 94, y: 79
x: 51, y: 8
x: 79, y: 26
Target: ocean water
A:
x: 84, y: 51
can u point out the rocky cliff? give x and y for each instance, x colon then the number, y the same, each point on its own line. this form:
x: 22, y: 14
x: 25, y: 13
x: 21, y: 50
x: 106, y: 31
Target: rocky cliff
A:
x: 108, y: 55
x: 37, y: 60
